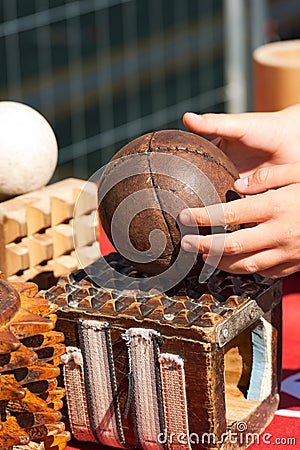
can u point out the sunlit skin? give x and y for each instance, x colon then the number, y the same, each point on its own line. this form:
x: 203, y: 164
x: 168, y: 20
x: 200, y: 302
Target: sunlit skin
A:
x: 265, y: 148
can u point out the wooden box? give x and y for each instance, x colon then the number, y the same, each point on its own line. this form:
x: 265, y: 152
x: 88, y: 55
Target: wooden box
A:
x: 195, y: 368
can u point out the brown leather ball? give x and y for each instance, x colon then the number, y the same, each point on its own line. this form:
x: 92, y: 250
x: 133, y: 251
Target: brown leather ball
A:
x: 146, y: 185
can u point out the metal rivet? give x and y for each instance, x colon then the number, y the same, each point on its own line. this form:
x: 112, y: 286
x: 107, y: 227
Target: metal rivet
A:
x: 169, y: 317
x: 225, y: 332
x: 251, y: 313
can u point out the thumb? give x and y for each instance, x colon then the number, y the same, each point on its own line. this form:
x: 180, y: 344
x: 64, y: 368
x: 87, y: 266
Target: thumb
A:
x: 270, y: 177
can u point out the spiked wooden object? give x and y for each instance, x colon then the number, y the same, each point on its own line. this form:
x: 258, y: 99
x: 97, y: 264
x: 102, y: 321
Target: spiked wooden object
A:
x: 197, y: 367
x: 37, y: 235
x: 30, y: 351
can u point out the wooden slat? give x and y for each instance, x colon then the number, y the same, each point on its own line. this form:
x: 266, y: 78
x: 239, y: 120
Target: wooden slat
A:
x: 85, y: 229
x: 62, y: 240
x: 40, y: 248
x: 16, y: 257
x: 38, y: 216
x: 61, y: 209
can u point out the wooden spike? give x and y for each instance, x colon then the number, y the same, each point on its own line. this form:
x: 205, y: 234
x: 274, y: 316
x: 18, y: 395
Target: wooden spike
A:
x: 44, y: 340
x: 38, y: 305
x: 31, y: 419
x: 8, y: 342
x: 26, y: 324
x: 45, y: 417
x: 10, y: 388
x: 56, y: 405
x: 58, y: 447
x: 12, y: 434
x: 57, y: 439
x: 36, y: 373
x: 23, y: 357
x: 53, y: 396
x: 40, y: 387
x: 48, y: 354
x: 53, y: 318
x: 38, y: 433
x: 29, y: 403
x: 28, y: 289
x: 55, y: 428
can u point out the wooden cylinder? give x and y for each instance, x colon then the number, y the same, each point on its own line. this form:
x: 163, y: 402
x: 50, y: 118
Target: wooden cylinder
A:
x: 276, y: 75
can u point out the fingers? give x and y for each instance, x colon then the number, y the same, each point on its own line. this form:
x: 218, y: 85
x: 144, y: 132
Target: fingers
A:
x: 252, y: 263
x: 245, y: 210
x: 232, y: 126
x: 259, y: 130
x: 281, y: 270
x: 271, y: 247
x: 256, y: 262
x: 240, y: 242
x: 270, y: 177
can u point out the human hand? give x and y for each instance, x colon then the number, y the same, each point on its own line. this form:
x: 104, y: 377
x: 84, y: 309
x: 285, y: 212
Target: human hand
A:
x: 253, y: 140
x: 271, y: 246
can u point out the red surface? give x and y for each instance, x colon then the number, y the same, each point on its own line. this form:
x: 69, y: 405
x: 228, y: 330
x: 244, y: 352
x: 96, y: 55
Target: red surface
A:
x: 282, y: 429
x: 104, y: 244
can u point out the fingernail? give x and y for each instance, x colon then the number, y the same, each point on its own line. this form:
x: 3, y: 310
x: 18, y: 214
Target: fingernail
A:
x: 197, y: 116
x: 185, y: 217
x: 186, y: 246
x: 242, y: 183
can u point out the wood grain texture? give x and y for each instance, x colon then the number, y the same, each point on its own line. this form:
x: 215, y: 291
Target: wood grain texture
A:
x: 29, y: 397
x: 37, y: 232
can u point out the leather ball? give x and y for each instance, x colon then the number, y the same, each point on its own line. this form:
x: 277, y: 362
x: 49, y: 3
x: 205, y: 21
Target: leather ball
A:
x: 146, y: 185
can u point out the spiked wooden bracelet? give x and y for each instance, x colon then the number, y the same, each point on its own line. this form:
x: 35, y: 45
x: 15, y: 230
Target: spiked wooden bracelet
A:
x: 30, y: 351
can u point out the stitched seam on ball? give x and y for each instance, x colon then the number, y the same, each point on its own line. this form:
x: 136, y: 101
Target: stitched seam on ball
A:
x: 156, y: 193
x: 110, y: 166
x: 194, y: 150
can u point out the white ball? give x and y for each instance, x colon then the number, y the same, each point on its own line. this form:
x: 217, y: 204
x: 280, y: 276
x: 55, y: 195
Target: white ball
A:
x: 28, y: 150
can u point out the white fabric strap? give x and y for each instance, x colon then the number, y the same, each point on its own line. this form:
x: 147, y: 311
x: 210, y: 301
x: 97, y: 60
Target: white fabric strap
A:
x: 147, y: 408
x: 174, y: 402
x: 100, y: 382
